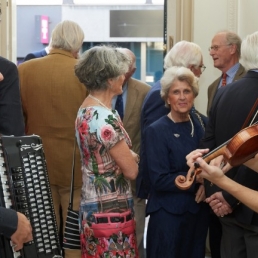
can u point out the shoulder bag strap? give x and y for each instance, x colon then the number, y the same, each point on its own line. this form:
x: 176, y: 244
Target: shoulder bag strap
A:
x: 72, y: 178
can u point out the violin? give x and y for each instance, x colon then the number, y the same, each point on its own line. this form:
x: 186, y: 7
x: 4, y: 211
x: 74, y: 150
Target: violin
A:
x: 236, y: 151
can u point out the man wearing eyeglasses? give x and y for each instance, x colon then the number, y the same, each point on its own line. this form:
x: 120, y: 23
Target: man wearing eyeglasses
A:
x: 225, y: 52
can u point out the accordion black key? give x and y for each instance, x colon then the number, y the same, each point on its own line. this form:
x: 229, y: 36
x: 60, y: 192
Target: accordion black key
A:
x: 25, y: 187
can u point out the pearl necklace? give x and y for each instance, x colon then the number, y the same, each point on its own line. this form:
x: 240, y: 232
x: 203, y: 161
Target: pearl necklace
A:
x: 192, y: 131
x: 99, y: 101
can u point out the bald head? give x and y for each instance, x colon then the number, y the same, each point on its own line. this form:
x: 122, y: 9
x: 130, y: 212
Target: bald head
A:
x: 225, y: 50
x: 132, y: 66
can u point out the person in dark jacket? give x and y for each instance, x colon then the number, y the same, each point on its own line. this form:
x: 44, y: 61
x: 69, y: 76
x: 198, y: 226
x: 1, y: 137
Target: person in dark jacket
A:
x: 13, y: 225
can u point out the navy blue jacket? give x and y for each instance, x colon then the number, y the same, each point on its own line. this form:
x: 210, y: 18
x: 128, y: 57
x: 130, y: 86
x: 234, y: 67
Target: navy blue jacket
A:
x: 36, y: 54
x: 166, y: 146
x: 153, y: 108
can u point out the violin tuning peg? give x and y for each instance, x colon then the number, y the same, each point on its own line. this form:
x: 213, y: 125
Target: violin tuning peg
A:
x: 196, y: 165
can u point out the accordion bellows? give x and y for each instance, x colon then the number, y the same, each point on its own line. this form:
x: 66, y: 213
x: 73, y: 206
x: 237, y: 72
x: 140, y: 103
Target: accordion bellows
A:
x: 71, y: 233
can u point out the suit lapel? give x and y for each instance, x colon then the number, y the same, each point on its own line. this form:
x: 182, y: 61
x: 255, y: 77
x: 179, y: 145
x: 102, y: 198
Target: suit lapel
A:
x: 239, y: 73
x: 214, y: 89
x: 132, y: 94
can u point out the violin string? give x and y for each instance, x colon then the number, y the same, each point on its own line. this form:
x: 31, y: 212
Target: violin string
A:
x: 255, y: 123
x: 248, y: 118
x: 219, y: 147
x: 254, y: 118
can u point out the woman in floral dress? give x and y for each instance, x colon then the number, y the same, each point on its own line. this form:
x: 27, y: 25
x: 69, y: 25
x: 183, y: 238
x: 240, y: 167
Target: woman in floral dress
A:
x: 106, y: 212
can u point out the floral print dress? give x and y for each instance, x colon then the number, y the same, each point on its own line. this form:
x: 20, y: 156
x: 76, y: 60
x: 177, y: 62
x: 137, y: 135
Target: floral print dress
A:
x: 107, y: 224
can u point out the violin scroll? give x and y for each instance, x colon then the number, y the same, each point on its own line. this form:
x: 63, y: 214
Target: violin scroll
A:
x: 185, y: 183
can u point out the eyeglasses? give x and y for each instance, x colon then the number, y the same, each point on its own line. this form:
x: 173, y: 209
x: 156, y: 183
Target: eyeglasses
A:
x: 202, y: 67
x: 216, y: 47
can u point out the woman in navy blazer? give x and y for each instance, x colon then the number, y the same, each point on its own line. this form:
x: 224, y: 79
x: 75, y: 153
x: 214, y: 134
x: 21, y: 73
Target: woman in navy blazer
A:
x: 178, y: 220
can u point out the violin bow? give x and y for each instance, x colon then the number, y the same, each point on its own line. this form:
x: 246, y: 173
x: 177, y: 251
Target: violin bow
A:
x: 250, y: 115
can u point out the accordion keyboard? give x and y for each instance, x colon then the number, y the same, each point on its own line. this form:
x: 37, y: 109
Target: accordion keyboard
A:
x: 26, y: 188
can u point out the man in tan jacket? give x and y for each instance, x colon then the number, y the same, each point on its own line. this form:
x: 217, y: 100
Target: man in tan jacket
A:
x: 51, y: 96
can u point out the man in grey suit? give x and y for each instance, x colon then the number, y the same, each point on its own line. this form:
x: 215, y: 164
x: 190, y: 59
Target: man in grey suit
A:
x: 225, y: 52
x: 134, y: 92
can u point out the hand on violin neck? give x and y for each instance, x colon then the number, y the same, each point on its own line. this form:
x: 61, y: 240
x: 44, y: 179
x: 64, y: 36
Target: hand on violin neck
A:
x: 218, y: 161
x: 192, y: 156
x: 212, y: 173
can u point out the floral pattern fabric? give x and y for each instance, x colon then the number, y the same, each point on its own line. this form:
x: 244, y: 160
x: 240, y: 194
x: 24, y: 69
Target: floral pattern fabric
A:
x: 107, y: 224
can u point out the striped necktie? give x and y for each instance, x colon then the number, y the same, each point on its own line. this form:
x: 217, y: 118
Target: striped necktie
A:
x: 224, y: 79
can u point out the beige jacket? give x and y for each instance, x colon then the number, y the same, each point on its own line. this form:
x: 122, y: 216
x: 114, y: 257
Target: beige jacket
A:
x: 51, y: 96
x: 137, y: 91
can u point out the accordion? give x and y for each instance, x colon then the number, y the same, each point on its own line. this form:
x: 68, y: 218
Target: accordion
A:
x: 25, y: 188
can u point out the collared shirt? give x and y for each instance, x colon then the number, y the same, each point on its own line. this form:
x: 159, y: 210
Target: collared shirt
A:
x: 230, y: 74
x: 125, y: 91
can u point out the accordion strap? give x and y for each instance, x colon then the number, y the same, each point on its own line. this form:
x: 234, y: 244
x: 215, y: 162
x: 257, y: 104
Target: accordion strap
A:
x: 70, y: 206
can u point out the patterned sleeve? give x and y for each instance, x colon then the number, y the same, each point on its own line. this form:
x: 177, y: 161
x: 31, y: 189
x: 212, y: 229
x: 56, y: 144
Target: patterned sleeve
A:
x: 110, y: 129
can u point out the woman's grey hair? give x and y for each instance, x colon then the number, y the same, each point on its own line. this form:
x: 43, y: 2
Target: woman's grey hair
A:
x: 183, y: 53
x: 100, y: 63
x: 173, y: 74
x: 67, y: 35
x: 249, y: 51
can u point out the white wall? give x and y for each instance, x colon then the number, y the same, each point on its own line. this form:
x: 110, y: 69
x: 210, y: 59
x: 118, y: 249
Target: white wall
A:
x: 209, y: 16
x: 95, y: 21
x: 8, y: 37
x: 248, y: 18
